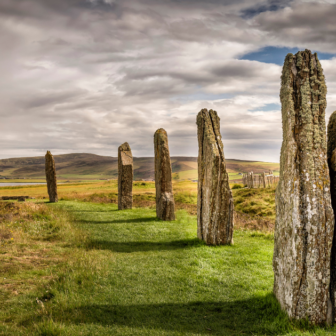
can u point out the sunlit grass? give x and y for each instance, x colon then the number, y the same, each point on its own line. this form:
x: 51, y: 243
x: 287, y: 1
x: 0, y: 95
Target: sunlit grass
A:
x: 259, y: 202
x: 135, y: 275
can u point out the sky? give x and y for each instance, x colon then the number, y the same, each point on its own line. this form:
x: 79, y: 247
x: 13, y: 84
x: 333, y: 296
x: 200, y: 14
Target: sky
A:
x: 84, y: 76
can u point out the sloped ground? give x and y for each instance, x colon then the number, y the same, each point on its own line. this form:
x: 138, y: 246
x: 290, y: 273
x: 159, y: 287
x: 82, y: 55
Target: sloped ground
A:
x: 90, y: 166
x: 130, y: 274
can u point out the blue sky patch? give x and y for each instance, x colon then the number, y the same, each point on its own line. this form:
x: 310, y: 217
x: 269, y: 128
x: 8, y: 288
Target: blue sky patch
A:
x: 267, y: 107
x: 202, y: 96
x: 269, y: 6
x: 277, y: 55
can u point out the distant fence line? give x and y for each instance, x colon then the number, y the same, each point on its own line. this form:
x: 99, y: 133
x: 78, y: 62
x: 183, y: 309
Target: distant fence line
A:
x: 264, y: 180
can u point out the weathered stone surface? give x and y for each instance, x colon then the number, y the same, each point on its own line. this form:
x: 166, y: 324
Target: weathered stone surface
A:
x: 165, y: 205
x: 125, y: 177
x: 51, y: 178
x: 263, y: 179
x: 214, y: 200
x: 331, y: 153
x: 304, y: 217
x: 252, y: 179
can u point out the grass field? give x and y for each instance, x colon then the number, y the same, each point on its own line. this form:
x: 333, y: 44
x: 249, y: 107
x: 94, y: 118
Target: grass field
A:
x: 100, y: 271
x: 256, y: 208
x: 81, y: 267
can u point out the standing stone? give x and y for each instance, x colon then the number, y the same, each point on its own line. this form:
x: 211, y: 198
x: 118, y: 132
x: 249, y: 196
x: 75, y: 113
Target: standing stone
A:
x: 263, y: 177
x: 125, y: 177
x: 331, y: 153
x: 252, y: 180
x: 165, y: 205
x: 304, y: 217
x: 51, y: 178
x: 214, y: 200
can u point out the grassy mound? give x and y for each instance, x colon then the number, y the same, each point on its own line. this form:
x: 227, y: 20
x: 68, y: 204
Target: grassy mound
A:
x: 258, y: 202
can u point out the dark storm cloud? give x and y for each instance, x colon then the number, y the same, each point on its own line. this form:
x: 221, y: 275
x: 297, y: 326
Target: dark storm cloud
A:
x: 88, y: 75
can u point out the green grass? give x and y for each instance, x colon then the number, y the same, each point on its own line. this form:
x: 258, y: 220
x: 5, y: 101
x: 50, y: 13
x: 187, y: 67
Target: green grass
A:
x: 188, y: 174
x: 257, y: 202
x: 136, y: 275
x: 234, y: 176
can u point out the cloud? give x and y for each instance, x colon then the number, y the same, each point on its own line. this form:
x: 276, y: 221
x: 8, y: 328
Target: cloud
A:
x: 304, y: 24
x: 85, y: 76
x: 266, y: 6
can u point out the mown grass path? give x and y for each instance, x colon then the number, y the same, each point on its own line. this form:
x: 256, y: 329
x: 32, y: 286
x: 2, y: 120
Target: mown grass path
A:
x: 159, y: 279
x: 149, y: 277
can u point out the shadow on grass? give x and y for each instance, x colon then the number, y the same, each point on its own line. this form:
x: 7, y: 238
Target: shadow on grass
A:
x: 256, y: 316
x: 119, y: 221
x: 79, y: 211
x: 141, y: 246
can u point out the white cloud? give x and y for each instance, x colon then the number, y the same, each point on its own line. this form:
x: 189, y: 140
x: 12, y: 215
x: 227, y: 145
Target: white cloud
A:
x: 85, y: 77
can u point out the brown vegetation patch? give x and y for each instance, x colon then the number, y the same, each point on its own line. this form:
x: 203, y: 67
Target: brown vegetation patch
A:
x: 247, y: 222
x: 30, y: 238
x: 190, y: 208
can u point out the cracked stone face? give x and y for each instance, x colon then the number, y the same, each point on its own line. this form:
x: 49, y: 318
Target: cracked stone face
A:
x: 165, y: 205
x: 304, y: 217
x: 332, y: 172
x: 125, y: 177
x: 214, y: 200
x: 50, y: 171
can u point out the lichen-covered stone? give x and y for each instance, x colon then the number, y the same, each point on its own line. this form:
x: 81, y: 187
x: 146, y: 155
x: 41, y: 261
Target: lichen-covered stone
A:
x: 125, y: 177
x: 304, y: 217
x: 214, y: 200
x: 331, y: 153
x: 165, y: 205
x: 51, y: 178
x: 263, y: 179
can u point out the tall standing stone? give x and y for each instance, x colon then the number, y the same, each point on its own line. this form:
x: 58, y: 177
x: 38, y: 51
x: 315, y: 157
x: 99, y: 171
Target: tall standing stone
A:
x: 304, y: 217
x: 125, y: 177
x: 165, y: 205
x: 214, y: 200
x: 51, y: 178
x: 331, y: 153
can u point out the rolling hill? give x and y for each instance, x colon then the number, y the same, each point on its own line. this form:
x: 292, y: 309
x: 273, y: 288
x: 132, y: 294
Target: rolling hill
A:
x: 91, y: 166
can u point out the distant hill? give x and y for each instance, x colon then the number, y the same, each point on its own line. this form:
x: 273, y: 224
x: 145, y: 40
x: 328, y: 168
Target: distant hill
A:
x: 91, y: 166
